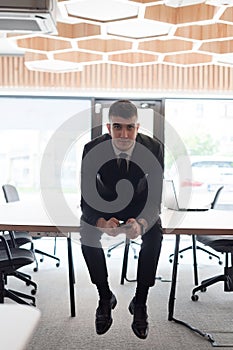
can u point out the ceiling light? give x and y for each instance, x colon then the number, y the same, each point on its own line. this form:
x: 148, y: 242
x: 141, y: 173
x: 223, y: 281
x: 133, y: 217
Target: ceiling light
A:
x: 136, y: 28
x: 107, y: 10
x: 9, y: 48
x: 219, y: 2
x: 180, y: 3
x: 225, y: 58
x: 53, y: 66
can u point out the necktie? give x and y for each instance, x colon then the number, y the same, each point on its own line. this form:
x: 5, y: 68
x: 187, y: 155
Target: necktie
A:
x: 123, y: 163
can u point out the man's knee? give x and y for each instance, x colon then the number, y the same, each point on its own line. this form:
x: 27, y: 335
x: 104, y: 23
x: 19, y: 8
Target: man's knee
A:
x: 90, y: 235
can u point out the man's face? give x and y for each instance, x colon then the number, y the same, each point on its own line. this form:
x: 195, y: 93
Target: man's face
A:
x: 123, y: 132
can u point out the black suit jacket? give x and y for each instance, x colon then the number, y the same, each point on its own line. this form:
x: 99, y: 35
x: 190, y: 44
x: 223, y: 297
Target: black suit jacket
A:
x: 141, y: 193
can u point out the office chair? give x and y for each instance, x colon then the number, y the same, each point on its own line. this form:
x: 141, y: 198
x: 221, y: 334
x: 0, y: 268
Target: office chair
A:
x: 11, y: 259
x: 11, y: 195
x: 222, y: 244
x: 17, y: 242
x: 196, y: 238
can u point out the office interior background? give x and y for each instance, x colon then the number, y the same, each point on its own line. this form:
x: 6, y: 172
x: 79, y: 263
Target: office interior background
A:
x: 176, y: 52
x: 172, y: 58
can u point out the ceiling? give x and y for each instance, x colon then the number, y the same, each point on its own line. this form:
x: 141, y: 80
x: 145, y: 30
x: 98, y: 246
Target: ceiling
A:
x: 118, y: 44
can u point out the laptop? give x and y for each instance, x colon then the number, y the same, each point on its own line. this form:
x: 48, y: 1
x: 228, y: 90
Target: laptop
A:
x: 170, y: 200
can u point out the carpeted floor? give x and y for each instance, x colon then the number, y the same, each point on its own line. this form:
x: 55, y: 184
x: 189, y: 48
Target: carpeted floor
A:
x: 58, y: 331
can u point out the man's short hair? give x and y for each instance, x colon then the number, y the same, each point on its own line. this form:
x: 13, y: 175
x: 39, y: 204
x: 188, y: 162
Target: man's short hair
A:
x: 123, y: 108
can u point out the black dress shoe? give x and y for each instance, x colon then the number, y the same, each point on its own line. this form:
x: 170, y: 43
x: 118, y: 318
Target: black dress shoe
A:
x: 140, y: 324
x: 103, y: 319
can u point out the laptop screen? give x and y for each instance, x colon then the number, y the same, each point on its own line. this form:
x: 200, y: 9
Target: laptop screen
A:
x: 169, y: 195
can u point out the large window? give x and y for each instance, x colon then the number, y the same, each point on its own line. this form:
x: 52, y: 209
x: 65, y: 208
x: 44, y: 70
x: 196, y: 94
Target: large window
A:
x: 203, y: 130
x: 40, y: 129
x: 48, y: 133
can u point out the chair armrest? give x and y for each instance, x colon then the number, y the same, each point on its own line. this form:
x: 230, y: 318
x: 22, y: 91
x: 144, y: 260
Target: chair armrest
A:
x: 6, y: 247
x: 12, y: 238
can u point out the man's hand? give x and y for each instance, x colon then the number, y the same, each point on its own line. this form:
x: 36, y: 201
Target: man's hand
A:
x: 132, y: 228
x: 111, y: 226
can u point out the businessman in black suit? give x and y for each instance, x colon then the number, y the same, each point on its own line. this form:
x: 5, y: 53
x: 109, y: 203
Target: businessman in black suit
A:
x: 121, y: 181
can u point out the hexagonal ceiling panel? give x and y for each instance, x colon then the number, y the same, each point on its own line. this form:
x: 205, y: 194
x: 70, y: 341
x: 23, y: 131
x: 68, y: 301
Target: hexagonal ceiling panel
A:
x: 137, y: 28
x: 133, y: 33
x: 104, y: 11
x: 132, y: 27
x: 134, y: 58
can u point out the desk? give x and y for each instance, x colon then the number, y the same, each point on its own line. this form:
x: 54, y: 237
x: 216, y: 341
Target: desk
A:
x: 17, y: 323
x: 33, y: 217
x: 211, y: 222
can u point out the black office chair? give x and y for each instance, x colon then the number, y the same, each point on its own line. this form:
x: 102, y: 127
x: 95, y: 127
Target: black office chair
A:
x: 17, y: 242
x: 222, y: 244
x: 11, y: 259
x: 11, y: 195
x: 196, y: 238
x: 200, y: 238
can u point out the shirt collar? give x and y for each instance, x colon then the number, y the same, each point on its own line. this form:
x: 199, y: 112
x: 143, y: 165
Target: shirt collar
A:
x: 128, y: 152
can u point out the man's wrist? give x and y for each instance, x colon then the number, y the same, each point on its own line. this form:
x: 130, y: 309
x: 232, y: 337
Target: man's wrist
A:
x: 100, y: 223
x: 143, y: 228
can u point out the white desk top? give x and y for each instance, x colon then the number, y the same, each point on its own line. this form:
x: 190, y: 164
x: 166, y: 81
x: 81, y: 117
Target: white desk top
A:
x: 27, y: 216
x: 35, y: 217
x: 17, y: 323
x: 210, y: 222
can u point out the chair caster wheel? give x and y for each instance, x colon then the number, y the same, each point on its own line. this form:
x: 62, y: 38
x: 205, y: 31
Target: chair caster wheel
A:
x: 57, y: 264
x: 194, y: 297
x: 108, y: 255
x: 181, y: 256
x: 135, y: 257
x: 35, y: 269
x: 210, y: 257
x: 220, y: 262
x: 33, y: 291
x: 41, y: 260
x: 170, y: 260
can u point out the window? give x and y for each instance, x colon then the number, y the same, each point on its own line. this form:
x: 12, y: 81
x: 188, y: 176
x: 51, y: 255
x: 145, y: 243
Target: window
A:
x: 34, y: 130
x: 200, y: 130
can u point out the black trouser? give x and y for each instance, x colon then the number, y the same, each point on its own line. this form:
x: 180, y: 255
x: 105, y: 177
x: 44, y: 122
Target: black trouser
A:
x: 148, y: 257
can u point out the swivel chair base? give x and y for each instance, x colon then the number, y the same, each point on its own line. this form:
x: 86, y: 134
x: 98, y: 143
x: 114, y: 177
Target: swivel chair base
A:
x: 13, y: 294
x: 227, y: 278
x: 121, y: 243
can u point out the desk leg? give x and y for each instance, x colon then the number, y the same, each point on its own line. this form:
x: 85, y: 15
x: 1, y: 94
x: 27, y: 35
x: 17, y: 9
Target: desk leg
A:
x: 71, y: 277
x: 171, y: 303
x: 125, y: 261
x: 195, y: 260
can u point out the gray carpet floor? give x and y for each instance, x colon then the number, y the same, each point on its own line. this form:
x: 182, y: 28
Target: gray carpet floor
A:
x: 56, y: 330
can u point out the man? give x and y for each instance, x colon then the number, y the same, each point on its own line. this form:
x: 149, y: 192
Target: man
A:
x: 121, y: 181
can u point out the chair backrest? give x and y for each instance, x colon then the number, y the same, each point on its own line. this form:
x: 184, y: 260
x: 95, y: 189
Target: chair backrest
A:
x: 10, y: 193
x: 216, y: 197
